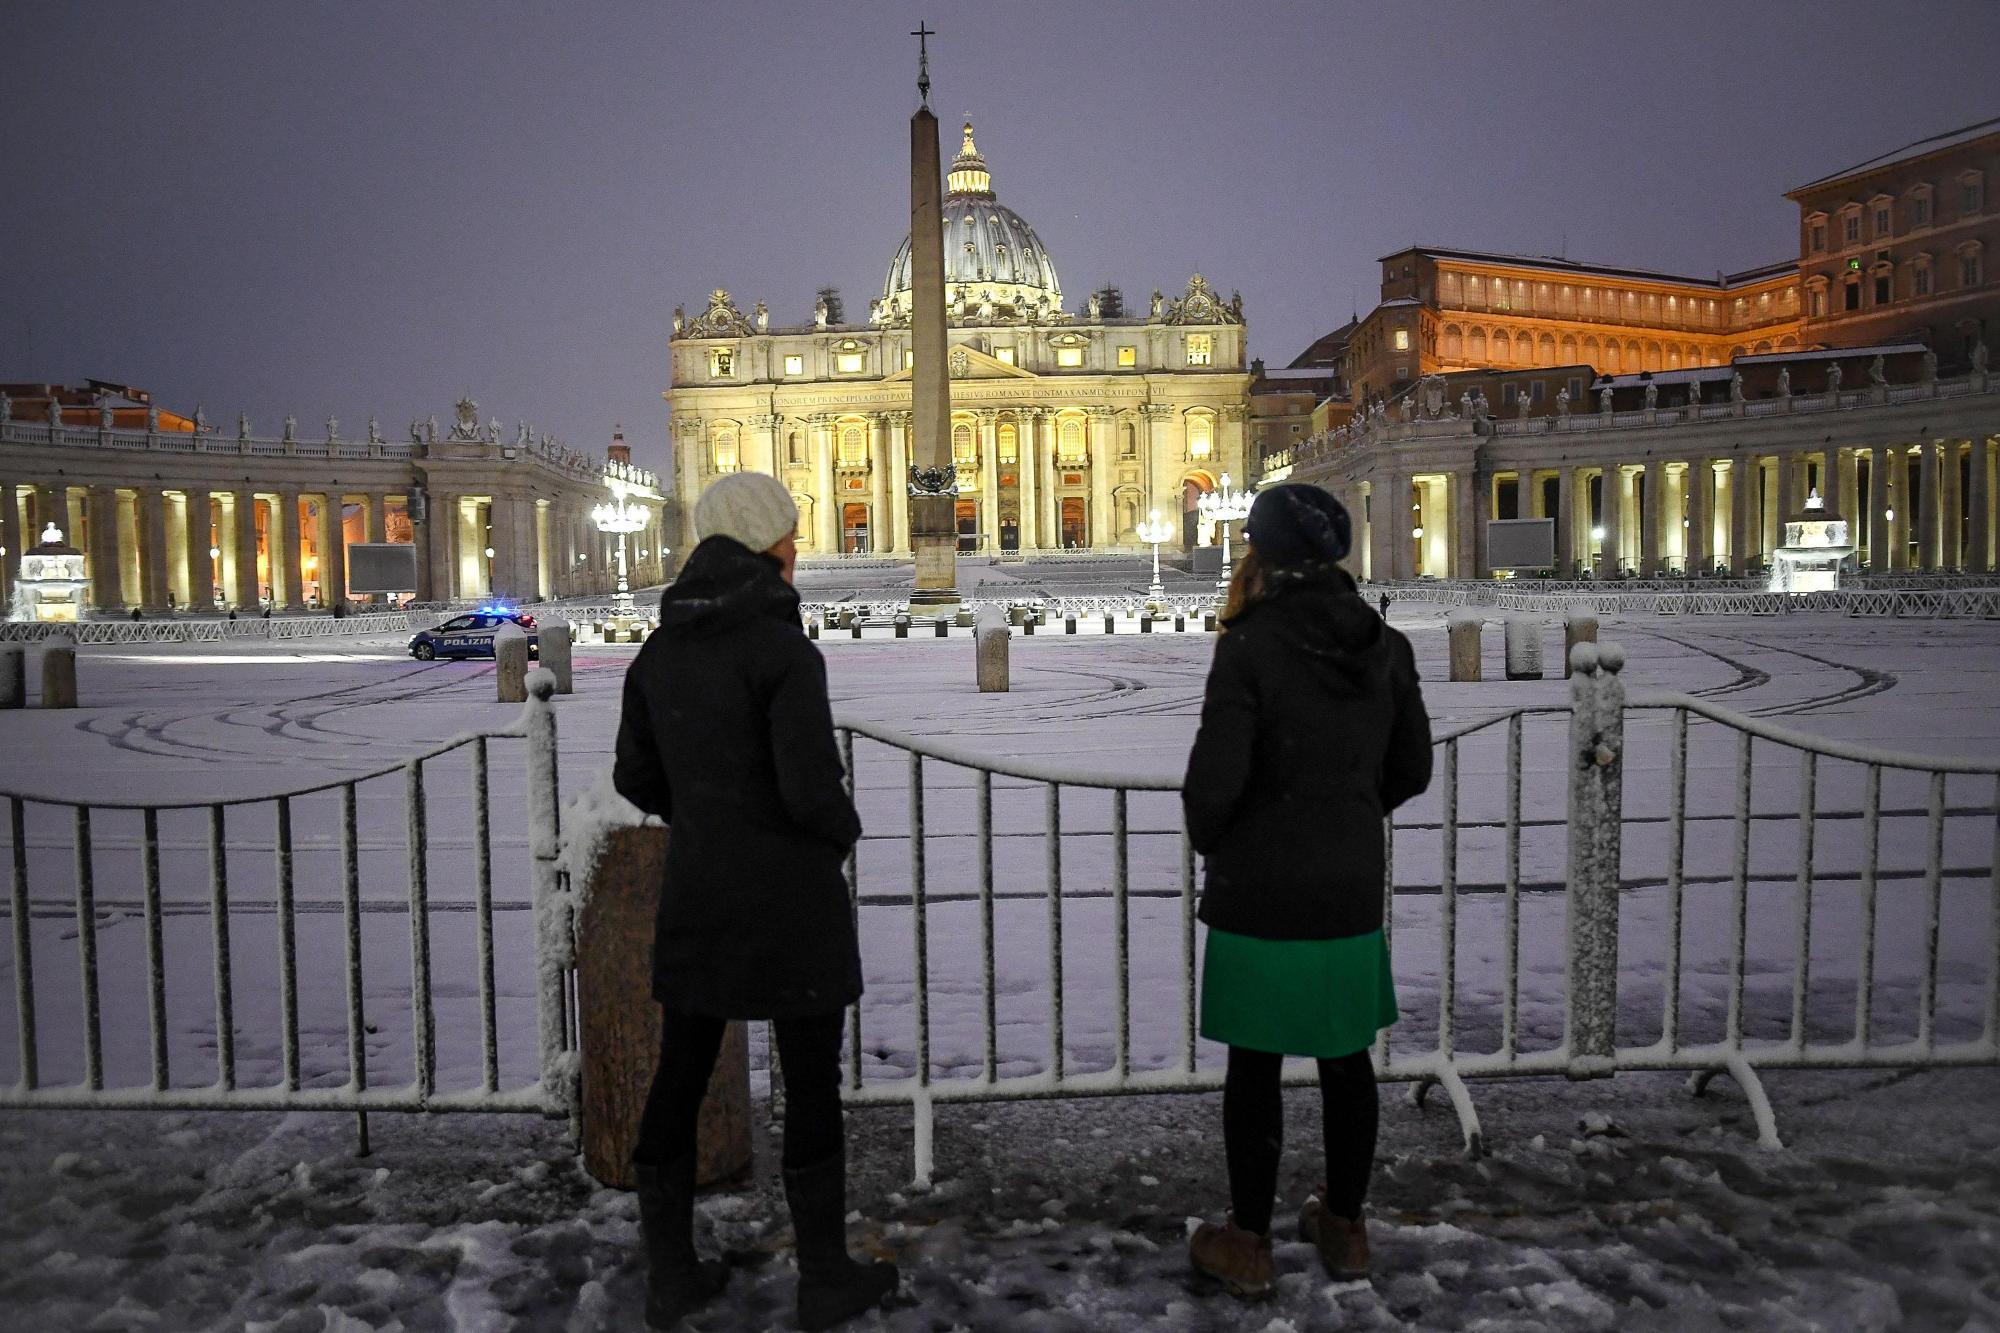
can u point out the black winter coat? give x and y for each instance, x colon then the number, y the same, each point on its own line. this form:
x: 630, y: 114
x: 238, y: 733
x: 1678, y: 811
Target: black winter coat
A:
x: 1312, y: 729
x: 728, y: 736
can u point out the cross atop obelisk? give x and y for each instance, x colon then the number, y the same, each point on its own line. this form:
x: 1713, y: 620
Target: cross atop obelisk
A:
x: 923, y: 34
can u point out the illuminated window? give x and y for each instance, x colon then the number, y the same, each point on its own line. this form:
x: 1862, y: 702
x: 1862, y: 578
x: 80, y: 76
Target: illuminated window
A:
x: 849, y: 363
x: 853, y: 447
x: 1128, y: 356
x: 722, y: 451
x: 1010, y: 443
x: 1200, y: 435
x: 795, y: 449
x: 909, y: 359
x: 1402, y: 340
x: 1070, y: 357
x: 1004, y: 355
x: 1200, y: 349
x: 1069, y: 441
x: 721, y: 363
x: 962, y: 451
x: 795, y: 365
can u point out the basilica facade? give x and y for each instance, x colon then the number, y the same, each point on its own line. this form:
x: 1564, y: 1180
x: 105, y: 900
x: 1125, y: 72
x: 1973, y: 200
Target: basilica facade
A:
x: 1068, y: 428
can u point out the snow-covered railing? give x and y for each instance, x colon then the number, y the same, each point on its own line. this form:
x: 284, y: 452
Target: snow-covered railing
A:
x: 194, y: 630
x: 149, y: 859
x: 1941, y: 603
x: 1032, y: 923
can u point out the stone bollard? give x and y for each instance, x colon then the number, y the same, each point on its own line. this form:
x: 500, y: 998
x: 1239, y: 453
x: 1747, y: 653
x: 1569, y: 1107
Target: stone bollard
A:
x: 854, y: 627
x: 1145, y: 622
x: 964, y: 619
x: 1578, y: 627
x: 1029, y: 622
x: 812, y: 629
x: 902, y: 625
x: 13, y: 677
x: 1524, y: 648
x: 510, y: 656
x: 59, y: 671
x: 1017, y: 615
x: 846, y: 619
x: 942, y: 627
x: 1463, y: 627
x: 1110, y: 622
x: 1069, y: 623
x: 552, y: 643
x: 1208, y: 622
x: 619, y: 1027
x: 1180, y: 623
x: 990, y: 645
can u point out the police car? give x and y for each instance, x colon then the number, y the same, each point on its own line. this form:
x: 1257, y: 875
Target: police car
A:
x: 471, y: 635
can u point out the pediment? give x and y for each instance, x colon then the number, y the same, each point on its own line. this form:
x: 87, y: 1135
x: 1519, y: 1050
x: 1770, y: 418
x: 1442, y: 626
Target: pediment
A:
x: 969, y: 363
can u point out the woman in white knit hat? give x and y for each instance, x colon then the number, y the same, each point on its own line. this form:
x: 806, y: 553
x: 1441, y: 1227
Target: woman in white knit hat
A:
x: 728, y: 736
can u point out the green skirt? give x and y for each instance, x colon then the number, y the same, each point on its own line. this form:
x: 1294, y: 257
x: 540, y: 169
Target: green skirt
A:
x: 1322, y: 998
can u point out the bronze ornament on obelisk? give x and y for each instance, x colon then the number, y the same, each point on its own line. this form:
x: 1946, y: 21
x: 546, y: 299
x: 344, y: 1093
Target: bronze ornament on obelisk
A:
x: 933, y: 477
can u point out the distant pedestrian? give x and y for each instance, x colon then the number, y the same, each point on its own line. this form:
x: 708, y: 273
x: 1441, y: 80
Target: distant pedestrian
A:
x: 1385, y: 606
x: 1312, y: 730
x: 727, y: 734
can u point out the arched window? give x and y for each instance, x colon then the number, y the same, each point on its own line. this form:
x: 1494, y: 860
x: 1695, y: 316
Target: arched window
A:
x: 1010, y: 442
x: 1568, y: 352
x: 1128, y: 440
x: 1545, y: 350
x: 1503, y: 348
x: 1200, y: 435
x: 1475, y: 346
x: 1653, y: 361
x: 853, y: 447
x: 1590, y: 353
x: 1069, y: 441
x: 795, y: 450
x: 962, y: 451
x: 722, y: 451
x: 1613, y: 362
x: 1454, y: 342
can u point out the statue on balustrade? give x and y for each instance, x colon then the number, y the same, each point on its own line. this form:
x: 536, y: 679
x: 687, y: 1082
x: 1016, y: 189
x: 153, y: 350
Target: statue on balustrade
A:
x: 1784, y: 381
x: 1652, y: 395
x: 1833, y: 379
x: 1735, y: 386
x: 1562, y: 402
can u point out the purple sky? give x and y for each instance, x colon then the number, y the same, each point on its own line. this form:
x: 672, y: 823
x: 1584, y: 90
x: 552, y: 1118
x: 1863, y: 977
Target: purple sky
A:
x: 358, y: 208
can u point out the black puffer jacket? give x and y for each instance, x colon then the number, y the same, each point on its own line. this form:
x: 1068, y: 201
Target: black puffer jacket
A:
x: 728, y: 736
x: 1312, y: 729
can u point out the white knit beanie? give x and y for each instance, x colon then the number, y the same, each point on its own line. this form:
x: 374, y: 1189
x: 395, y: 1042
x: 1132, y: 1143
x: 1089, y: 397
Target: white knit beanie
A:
x: 753, y: 508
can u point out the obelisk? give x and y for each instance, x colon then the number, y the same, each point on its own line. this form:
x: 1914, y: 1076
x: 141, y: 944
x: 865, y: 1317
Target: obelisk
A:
x: 932, y: 480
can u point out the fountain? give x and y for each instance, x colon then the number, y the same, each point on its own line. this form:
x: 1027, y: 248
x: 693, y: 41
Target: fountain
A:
x: 1818, y: 545
x: 51, y: 584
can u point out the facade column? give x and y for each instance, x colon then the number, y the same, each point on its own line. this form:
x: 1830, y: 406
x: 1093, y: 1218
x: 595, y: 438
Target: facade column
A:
x: 247, y: 592
x: 1979, y: 505
x: 1565, y: 517
x: 989, y: 479
x: 285, y: 516
x: 825, y: 503
x: 1698, y: 483
x: 1742, y: 492
x: 1153, y: 416
x: 1927, y: 505
x: 763, y: 446
x: 1098, y: 442
x: 881, y: 523
x: 1653, y: 518
x: 899, y: 480
x: 107, y: 589
x: 10, y: 541
x: 199, y: 528
x: 1052, y: 502
x: 153, y: 550
x: 1025, y: 428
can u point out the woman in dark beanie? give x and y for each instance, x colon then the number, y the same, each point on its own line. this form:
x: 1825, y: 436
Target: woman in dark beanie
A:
x: 727, y: 735
x: 1312, y: 730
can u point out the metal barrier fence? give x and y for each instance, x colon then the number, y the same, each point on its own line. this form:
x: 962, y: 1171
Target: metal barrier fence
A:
x: 193, y: 630
x: 1950, y: 603
x: 145, y: 878
x: 1045, y: 916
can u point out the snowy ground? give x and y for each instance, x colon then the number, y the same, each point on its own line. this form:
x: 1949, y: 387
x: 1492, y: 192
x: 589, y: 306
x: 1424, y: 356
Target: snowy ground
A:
x: 207, y: 1222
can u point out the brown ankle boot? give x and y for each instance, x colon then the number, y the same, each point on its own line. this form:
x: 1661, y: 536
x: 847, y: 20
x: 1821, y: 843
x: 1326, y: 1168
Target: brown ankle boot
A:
x: 1342, y: 1242
x: 1239, y: 1259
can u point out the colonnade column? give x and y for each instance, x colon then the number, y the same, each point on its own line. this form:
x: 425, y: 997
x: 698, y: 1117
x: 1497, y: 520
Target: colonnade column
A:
x: 1099, y: 444
x: 287, y: 568
x: 1788, y: 497
x: 246, y: 592
x: 1927, y: 505
x: 53, y: 508
x: 1840, y: 498
x: 199, y: 529
x: 153, y: 549
x: 899, y: 480
x: 1024, y: 468
x: 1698, y: 482
x: 1742, y: 493
x: 881, y: 524
x: 1653, y: 518
x: 1565, y: 516
x: 1472, y: 505
x: 1951, y: 508
x: 333, y: 551
x: 1388, y: 526
x: 1879, y: 543
x: 107, y: 592
x: 378, y: 517
x: 1979, y: 500
x: 11, y: 542
x: 989, y: 479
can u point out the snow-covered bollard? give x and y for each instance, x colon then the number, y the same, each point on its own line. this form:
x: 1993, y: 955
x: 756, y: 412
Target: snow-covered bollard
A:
x: 902, y: 623
x: 1595, y: 814
x: 552, y: 643
x: 13, y: 677
x: 615, y: 857
x: 1462, y: 628
x: 1578, y: 627
x: 510, y: 658
x: 1524, y: 648
x: 990, y: 638
x: 59, y: 671
x: 1208, y: 622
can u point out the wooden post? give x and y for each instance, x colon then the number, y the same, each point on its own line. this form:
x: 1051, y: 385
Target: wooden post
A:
x: 619, y: 1024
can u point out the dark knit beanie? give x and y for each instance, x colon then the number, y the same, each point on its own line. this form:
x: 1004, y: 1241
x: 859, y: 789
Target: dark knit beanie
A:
x: 1298, y: 524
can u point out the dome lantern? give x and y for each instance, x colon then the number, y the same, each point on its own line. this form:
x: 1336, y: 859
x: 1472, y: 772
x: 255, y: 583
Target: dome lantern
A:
x: 969, y: 175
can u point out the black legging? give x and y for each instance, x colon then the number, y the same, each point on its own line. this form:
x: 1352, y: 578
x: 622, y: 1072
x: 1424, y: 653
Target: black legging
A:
x: 1253, y: 1132
x: 809, y: 1049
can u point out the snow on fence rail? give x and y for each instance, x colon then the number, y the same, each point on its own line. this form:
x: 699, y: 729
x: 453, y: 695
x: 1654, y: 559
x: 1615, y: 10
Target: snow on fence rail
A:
x: 154, y: 854
x: 1045, y: 915
x: 214, y: 631
x: 1936, y: 603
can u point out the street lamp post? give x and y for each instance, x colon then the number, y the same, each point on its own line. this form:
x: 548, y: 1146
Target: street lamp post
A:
x: 620, y: 518
x: 1224, y: 505
x: 1156, y: 530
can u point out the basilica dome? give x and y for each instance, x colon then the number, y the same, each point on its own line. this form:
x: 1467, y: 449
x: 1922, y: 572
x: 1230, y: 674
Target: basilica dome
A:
x: 989, y: 250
